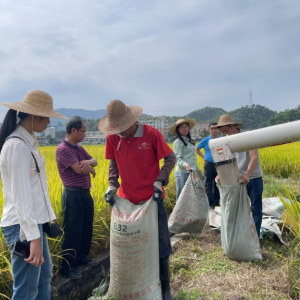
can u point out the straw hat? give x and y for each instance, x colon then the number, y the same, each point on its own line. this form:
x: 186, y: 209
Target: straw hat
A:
x: 191, y: 123
x: 37, y: 103
x: 119, y: 117
x: 227, y: 120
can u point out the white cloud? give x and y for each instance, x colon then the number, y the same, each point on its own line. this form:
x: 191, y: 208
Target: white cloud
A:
x: 169, y: 57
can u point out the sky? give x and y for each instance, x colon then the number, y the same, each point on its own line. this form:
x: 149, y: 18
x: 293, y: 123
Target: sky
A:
x: 170, y: 57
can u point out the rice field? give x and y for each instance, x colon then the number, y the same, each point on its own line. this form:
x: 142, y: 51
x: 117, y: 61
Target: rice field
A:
x: 281, y: 161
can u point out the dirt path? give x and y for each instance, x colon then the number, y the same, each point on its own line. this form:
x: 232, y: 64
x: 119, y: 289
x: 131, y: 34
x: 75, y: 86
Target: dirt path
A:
x: 201, y: 270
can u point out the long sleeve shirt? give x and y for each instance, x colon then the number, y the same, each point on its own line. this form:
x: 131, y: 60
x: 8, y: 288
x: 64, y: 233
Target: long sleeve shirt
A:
x: 185, y: 155
x: 26, y: 196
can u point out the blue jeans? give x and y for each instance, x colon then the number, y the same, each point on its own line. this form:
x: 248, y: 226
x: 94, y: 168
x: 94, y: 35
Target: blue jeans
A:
x: 180, y: 179
x: 255, y: 191
x: 30, y: 282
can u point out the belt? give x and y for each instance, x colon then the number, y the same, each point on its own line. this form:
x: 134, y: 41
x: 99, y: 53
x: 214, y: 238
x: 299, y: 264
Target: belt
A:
x: 83, y: 191
x: 210, y: 163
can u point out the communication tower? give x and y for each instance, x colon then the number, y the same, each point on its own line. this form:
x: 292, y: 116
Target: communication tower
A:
x: 250, y: 99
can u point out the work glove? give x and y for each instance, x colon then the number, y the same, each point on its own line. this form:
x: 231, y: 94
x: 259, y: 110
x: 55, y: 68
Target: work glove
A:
x: 109, y: 195
x: 158, y: 191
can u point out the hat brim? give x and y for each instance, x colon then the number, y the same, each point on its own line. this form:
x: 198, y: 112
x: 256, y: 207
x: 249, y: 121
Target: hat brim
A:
x: 237, y: 124
x: 33, y: 110
x: 191, y: 123
x: 132, y: 116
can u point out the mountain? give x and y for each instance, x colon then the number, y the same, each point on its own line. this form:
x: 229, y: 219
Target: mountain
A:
x: 206, y: 114
x: 71, y: 112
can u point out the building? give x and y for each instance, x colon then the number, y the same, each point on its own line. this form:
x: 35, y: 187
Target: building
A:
x: 94, y: 137
x: 161, y: 124
x: 198, y: 128
x: 49, y: 131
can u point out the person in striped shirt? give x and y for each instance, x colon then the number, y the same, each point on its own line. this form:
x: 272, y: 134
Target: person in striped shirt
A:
x: 75, y: 166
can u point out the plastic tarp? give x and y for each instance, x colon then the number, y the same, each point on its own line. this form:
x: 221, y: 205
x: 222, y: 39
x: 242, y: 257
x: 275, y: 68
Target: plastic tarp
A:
x: 134, y: 251
x: 190, y: 213
x: 238, y: 232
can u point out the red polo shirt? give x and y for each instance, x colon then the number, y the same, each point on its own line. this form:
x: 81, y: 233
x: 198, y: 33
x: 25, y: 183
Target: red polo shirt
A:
x: 138, y: 162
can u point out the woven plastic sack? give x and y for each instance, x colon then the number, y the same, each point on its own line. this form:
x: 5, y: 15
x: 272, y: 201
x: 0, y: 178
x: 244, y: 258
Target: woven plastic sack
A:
x: 215, y: 218
x: 134, y: 251
x: 190, y: 213
x: 273, y: 207
x: 269, y: 228
x: 238, y: 232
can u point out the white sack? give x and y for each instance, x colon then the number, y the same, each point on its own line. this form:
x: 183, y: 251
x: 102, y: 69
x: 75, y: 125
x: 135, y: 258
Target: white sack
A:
x: 134, y: 251
x: 273, y: 207
x: 191, y: 210
x: 238, y: 232
x: 215, y: 218
x: 269, y: 227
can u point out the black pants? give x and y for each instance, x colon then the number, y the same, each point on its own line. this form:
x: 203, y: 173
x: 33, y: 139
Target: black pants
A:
x: 211, y: 188
x: 165, y: 248
x: 78, y: 208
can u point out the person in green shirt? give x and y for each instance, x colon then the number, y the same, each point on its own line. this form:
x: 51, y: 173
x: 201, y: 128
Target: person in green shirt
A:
x: 184, y: 149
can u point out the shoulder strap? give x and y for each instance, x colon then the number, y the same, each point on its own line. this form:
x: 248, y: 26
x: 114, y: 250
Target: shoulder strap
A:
x: 35, y: 162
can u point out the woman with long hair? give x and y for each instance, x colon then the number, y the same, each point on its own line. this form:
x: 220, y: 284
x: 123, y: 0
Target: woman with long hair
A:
x: 25, y: 193
x: 184, y: 149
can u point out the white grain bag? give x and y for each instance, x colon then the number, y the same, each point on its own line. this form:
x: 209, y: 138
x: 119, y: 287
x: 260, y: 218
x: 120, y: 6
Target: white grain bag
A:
x: 273, y: 206
x: 134, y: 251
x: 238, y: 232
x: 190, y: 213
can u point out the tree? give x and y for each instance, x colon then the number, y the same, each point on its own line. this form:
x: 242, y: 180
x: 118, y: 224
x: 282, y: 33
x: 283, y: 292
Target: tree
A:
x: 50, y: 139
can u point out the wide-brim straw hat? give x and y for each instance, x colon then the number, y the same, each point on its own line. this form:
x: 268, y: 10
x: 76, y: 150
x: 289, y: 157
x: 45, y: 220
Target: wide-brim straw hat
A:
x: 191, y: 123
x: 226, y: 120
x: 119, y: 117
x: 37, y: 103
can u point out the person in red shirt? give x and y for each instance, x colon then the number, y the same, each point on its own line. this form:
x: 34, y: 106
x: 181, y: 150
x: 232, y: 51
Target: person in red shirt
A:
x: 134, y: 150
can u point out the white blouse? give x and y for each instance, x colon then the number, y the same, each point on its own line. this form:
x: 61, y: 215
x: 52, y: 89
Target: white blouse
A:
x: 24, y: 200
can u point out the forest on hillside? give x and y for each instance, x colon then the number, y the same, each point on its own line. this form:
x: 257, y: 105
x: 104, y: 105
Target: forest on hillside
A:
x: 253, y: 116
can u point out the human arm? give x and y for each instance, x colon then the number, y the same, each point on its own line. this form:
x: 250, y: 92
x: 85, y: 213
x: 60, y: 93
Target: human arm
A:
x: 251, y: 166
x: 113, y: 184
x: 89, y: 161
x: 164, y: 174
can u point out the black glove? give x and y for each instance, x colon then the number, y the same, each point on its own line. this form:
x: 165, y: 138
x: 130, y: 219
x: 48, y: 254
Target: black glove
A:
x: 157, y: 191
x: 109, y: 195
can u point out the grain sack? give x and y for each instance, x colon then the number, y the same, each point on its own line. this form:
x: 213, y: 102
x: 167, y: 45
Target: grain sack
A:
x: 191, y: 210
x: 215, y: 218
x: 134, y: 251
x: 238, y: 232
x: 273, y: 206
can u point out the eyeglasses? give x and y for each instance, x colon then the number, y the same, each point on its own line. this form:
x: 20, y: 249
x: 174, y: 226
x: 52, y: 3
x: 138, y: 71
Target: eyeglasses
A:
x: 84, y: 131
x: 214, y: 128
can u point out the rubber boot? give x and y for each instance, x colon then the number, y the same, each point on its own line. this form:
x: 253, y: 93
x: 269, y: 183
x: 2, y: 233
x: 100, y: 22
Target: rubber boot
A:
x: 165, y: 279
x: 101, y: 290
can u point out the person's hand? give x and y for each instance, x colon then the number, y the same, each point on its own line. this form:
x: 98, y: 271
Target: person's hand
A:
x: 36, y: 254
x: 245, y: 179
x: 217, y: 178
x: 204, y: 161
x: 92, y: 171
x: 84, y: 165
x: 158, y: 191
x: 109, y: 195
x: 187, y: 166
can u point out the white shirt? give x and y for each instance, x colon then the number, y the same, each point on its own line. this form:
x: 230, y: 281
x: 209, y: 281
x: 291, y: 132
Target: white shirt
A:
x: 24, y: 200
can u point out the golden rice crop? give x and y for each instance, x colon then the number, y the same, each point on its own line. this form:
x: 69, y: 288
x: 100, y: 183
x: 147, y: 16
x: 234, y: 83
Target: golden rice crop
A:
x: 281, y: 161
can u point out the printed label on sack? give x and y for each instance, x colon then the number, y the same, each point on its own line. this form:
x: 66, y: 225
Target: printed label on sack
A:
x: 221, y: 154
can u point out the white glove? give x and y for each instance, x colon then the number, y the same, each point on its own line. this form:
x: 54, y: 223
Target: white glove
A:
x: 111, y: 190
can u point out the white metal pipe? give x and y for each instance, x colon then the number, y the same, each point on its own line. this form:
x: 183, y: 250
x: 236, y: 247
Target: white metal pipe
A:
x: 256, y: 139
